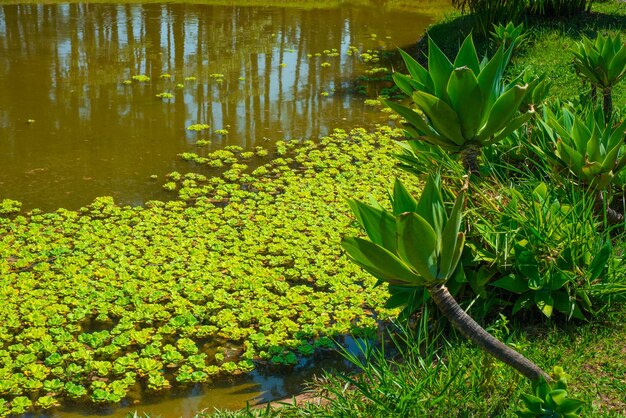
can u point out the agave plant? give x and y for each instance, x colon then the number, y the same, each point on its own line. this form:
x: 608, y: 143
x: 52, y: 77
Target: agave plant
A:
x: 418, y: 244
x: 550, y: 399
x: 466, y: 103
x: 508, y: 34
x: 603, y: 63
x: 586, y: 145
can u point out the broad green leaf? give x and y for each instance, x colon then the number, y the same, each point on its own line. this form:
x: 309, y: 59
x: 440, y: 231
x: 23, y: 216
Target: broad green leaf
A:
x: 466, y: 100
x: 450, y: 237
x: 403, y: 201
x: 533, y: 403
x: 467, y: 56
x: 512, y: 283
x: 555, y: 397
x: 379, y: 262
x: 599, y: 261
x: 439, y: 68
x: 544, y: 302
x: 443, y: 118
x: 502, y: 112
x: 379, y: 224
x: 417, y: 243
x: 570, y: 406
x: 523, y: 302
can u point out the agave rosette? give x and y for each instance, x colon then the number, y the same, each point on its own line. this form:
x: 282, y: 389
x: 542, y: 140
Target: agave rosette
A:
x: 461, y: 103
x: 602, y: 61
x: 416, y: 244
x: 586, y: 145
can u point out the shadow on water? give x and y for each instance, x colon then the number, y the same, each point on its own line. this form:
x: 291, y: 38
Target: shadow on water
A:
x: 74, y: 126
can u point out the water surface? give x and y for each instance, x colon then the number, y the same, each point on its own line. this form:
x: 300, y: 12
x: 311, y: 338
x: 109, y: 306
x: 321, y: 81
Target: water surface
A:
x: 72, y: 130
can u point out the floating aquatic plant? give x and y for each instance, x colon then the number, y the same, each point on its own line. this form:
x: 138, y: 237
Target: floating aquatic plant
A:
x: 106, y: 297
x: 141, y: 78
x: 198, y: 127
x: 165, y: 95
x: 9, y: 206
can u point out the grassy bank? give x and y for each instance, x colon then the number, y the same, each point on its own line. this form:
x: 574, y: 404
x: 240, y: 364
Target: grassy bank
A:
x: 458, y: 380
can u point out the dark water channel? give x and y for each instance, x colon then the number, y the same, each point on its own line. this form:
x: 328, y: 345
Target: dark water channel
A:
x: 254, y: 388
x: 74, y: 125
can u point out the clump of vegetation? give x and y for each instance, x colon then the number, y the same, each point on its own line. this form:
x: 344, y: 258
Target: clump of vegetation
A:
x: 141, y: 78
x: 9, y: 206
x: 254, y: 273
x: 198, y: 127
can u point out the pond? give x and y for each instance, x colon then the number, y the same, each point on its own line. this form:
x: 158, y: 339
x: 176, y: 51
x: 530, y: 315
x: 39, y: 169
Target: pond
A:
x: 75, y: 125
x: 98, y: 100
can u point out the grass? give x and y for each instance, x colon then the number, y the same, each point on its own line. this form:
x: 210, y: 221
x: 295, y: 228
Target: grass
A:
x: 548, y: 48
x: 456, y: 379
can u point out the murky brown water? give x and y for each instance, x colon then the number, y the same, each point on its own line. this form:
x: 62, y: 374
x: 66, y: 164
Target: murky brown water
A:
x: 71, y: 130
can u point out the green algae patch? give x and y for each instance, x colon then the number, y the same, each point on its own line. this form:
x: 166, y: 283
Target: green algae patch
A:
x: 244, y: 269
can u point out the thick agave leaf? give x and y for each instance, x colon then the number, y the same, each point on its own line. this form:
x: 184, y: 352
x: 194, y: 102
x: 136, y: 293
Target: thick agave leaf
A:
x: 417, y: 244
x: 617, y: 67
x: 580, y: 136
x: 407, y: 84
x: 379, y: 224
x: 403, y: 201
x: 451, y: 252
x: 419, y: 129
x: 439, y: 68
x: 466, y: 100
x: 417, y: 72
x: 572, y: 159
x: 379, y: 262
x: 502, y: 113
x: 489, y: 81
x: 467, y: 56
x: 443, y: 118
x: 430, y: 207
x: 591, y: 169
x: 515, y: 124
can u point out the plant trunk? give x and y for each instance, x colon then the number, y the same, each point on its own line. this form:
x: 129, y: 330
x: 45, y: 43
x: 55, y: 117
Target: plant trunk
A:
x: 608, y: 104
x: 469, y: 158
x: 477, y: 334
x: 602, y: 208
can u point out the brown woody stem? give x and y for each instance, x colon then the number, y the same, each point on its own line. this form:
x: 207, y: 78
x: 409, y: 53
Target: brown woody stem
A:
x: 608, y: 104
x: 477, y: 334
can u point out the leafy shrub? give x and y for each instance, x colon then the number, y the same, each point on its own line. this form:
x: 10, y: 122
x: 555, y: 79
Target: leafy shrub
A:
x: 547, y: 252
